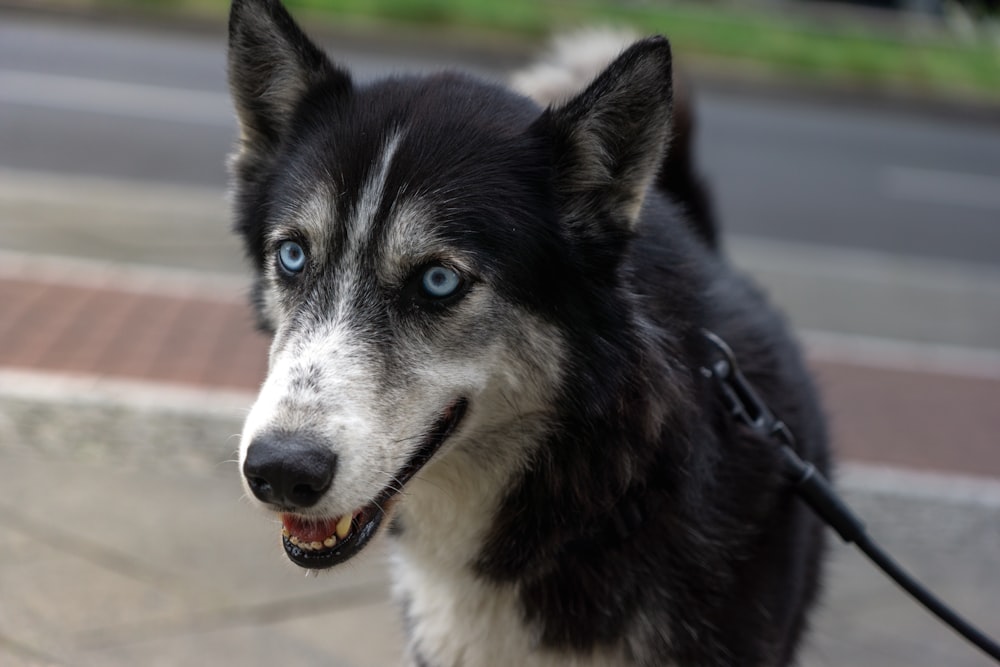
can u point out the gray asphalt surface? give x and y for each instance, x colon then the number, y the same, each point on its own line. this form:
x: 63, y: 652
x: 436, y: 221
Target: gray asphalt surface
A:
x: 153, y: 106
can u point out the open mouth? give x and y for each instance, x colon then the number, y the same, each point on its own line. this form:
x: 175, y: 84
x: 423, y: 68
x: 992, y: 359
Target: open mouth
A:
x: 318, y: 543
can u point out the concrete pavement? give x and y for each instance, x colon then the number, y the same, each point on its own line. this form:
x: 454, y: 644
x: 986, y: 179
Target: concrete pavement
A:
x: 124, y: 540
x: 105, y: 563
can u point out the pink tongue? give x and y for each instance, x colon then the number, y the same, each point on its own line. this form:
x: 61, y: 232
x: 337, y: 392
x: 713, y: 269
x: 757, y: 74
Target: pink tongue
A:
x: 309, y: 530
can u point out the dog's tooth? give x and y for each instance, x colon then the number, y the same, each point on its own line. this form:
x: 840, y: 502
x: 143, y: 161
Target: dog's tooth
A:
x: 284, y: 532
x: 329, y: 542
x: 294, y: 539
x: 344, y: 526
x: 316, y: 546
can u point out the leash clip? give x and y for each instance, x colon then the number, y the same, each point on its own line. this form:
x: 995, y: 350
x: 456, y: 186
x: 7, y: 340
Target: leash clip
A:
x: 743, y: 403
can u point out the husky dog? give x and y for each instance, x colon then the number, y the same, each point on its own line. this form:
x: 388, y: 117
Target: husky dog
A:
x: 487, y: 325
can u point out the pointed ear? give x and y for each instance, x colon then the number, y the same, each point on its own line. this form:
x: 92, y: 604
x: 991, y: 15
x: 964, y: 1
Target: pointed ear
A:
x: 610, y: 139
x: 272, y: 65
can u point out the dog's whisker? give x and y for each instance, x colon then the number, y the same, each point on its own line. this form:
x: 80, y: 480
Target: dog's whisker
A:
x: 409, y: 439
x: 392, y: 476
x: 380, y: 508
x: 395, y: 486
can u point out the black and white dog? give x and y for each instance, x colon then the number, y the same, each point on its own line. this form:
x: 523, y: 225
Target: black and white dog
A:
x: 487, y: 322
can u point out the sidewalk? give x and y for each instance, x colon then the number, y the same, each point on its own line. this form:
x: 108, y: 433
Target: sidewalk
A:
x: 110, y: 564
x: 124, y: 539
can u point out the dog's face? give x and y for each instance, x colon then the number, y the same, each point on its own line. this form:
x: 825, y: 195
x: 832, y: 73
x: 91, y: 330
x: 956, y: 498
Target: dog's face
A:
x: 419, y: 244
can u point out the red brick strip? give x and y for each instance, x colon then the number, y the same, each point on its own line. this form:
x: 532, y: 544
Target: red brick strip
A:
x: 924, y: 420
x: 929, y: 421
x: 152, y: 337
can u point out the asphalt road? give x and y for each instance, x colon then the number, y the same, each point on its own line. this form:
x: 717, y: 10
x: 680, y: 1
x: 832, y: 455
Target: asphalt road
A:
x: 152, y: 106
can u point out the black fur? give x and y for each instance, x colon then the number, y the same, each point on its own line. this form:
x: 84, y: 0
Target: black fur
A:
x: 648, y: 517
x: 723, y: 560
x: 679, y: 176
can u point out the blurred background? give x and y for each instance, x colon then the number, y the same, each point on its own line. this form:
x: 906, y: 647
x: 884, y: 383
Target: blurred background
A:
x: 854, y: 153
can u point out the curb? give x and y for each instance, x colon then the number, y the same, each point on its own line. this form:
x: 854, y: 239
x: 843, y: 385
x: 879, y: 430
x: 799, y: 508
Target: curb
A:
x: 131, y: 424
x: 51, y: 410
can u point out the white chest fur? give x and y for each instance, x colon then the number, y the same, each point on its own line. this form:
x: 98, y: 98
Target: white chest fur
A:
x: 456, y: 618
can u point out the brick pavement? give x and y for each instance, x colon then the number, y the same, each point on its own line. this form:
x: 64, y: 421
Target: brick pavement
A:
x: 916, y: 419
x: 128, y: 334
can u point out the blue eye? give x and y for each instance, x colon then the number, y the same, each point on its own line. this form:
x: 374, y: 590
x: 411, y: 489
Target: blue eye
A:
x: 439, y: 282
x: 291, y: 256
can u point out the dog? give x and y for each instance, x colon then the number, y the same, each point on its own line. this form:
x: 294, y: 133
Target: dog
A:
x: 488, y: 320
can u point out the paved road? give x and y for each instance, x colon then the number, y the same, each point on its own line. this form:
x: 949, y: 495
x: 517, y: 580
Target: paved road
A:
x: 152, y: 106
x: 129, y: 102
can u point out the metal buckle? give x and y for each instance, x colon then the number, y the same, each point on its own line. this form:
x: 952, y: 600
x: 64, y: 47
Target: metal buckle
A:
x: 743, y: 403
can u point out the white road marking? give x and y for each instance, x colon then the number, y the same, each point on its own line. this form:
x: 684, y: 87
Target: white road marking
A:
x: 901, y: 355
x: 932, y: 186
x: 29, y: 186
x: 918, y: 485
x: 133, y: 100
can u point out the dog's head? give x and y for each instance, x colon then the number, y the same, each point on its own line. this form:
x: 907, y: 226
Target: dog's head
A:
x: 421, y: 246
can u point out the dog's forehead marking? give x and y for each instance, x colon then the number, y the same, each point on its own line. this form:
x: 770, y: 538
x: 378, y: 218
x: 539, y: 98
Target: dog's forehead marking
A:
x: 373, y: 192
x: 312, y: 214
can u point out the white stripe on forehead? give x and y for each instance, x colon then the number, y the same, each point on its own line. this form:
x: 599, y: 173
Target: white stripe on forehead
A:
x: 370, y: 198
x: 312, y: 215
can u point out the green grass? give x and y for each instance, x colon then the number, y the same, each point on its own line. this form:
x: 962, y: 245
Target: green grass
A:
x: 844, y: 52
x: 755, y: 39
x: 516, y: 16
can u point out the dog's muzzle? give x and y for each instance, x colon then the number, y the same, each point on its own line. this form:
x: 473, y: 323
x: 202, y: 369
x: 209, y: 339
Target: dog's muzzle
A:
x: 292, y: 473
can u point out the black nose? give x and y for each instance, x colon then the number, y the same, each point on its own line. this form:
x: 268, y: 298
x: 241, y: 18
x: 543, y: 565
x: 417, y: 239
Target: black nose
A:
x: 291, y: 471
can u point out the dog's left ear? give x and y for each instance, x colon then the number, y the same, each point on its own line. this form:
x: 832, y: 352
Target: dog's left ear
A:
x: 609, y: 141
x: 272, y: 66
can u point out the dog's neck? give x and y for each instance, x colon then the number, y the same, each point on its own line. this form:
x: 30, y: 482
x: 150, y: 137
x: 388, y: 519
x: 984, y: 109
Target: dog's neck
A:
x: 449, y: 508
x: 453, y: 613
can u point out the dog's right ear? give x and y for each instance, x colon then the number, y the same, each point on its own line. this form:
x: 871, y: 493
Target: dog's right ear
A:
x: 272, y: 65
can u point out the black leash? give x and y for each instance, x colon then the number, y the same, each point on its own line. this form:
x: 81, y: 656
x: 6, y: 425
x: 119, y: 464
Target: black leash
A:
x: 746, y: 406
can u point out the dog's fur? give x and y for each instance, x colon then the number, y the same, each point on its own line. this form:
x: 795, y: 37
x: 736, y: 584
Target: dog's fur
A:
x: 587, y: 499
